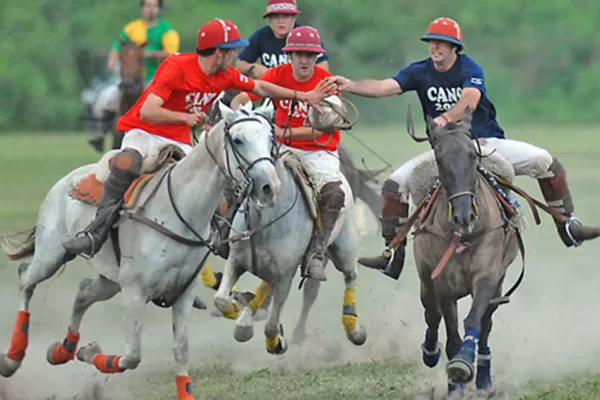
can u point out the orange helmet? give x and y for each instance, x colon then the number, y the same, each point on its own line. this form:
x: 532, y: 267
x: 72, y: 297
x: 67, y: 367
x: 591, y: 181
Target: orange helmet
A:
x: 445, y: 29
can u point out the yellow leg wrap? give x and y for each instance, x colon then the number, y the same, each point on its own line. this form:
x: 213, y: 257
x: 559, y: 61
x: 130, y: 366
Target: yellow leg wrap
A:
x: 261, y: 293
x: 349, y: 315
x: 208, y: 277
x: 234, y: 311
x: 272, y: 344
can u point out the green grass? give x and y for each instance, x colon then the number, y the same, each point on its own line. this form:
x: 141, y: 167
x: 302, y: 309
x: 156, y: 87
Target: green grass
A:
x: 31, y: 163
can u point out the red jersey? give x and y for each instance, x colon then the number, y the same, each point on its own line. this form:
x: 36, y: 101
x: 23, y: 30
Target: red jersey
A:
x: 184, y: 87
x: 283, y: 76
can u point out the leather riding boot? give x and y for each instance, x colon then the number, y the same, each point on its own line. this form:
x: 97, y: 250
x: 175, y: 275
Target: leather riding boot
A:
x: 125, y: 167
x: 556, y: 192
x: 394, y: 214
x: 331, y: 201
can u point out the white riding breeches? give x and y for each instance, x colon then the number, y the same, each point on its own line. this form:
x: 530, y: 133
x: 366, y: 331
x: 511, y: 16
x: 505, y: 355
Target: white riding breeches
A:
x: 325, y: 164
x: 149, y: 144
x: 525, y: 158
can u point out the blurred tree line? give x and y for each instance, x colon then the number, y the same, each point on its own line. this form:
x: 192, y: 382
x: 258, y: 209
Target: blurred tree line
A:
x: 542, y: 59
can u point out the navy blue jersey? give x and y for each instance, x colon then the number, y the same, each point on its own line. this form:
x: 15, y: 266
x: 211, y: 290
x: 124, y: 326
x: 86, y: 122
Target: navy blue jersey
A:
x: 440, y: 91
x: 266, y: 47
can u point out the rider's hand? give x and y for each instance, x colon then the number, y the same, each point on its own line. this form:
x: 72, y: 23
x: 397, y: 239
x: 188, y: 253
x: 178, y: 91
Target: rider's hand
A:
x: 342, y: 83
x: 325, y: 88
x: 197, y: 118
x: 441, y: 121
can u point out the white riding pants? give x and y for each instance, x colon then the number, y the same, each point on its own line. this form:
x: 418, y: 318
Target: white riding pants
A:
x: 149, y: 144
x: 525, y: 158
x: 325, y: 164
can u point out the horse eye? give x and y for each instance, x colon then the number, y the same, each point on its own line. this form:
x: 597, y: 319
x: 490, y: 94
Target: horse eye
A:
x: 238, y: 142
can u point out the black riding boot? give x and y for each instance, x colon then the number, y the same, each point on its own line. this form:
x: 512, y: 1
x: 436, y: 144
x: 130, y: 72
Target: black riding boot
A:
x: 331, y: 201
x: 556, y: 192
x: 394, y: 214
x: 125, y: 167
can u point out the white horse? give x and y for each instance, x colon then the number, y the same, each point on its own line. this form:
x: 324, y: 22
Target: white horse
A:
x: 276, y: 248
x: 180, y: 200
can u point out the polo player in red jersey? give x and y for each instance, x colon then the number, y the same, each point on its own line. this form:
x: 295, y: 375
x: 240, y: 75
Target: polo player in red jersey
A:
x: 184, y: 87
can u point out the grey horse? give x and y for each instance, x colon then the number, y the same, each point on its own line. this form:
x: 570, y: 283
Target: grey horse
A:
x: 466, y: 222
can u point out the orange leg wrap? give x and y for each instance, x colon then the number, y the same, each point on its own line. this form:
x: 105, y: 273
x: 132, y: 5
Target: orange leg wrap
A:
x: 107, y: 364
x: 184, y: 387
x: 65, y: 351
x: 20, y: 337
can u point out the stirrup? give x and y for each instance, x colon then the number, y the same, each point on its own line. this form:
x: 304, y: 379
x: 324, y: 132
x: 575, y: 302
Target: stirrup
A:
x: 85, y: 255
x: 568, y: 231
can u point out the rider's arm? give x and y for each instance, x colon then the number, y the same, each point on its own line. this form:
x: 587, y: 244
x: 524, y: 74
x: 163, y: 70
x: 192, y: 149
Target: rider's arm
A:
x: 246, y: 63
x: 240, y: 99
x: 152, y: 110
x: 302, y: 132
x: 473, y: 89
x: 374, y: 88
x: 115, y: 50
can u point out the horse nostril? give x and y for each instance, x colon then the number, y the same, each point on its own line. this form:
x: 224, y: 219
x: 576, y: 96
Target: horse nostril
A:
x: 267, y: 190
x: 473, y: 217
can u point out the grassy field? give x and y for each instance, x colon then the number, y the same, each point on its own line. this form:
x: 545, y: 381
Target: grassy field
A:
x: 543, y: 343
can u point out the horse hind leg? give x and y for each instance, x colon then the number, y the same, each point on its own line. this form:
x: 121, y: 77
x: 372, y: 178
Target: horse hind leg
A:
x: 309, y: 296
x: 49, y: 256
x: 92, y: 353
x: 483, y: 379
x: 461, y: 367
x: 90, y: 292
x: 343, y: 256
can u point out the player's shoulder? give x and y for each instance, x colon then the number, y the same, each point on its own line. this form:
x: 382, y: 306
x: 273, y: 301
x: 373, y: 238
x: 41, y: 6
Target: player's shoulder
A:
x: 134, y: 24
x: 469, y: 64
x: 262, y: 33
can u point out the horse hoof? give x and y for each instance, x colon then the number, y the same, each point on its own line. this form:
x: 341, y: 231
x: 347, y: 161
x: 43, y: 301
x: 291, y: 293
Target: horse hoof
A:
x: 358, y: 336
x: 431, y: 358
x: 199, y: 304
x: 87, y: 352
x: 61, y: 356
x: 281, y: 347
x: 460, y: 371
x: 298, y: 337
x: 261, y: 314
x: 7, y: 366
x: 222, y: 304
x: 243, y: 333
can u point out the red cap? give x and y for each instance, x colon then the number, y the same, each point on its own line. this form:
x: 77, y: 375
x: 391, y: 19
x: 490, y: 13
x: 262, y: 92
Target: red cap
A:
x: 281, y: 7
x: 303, y: 38
x: 445, y: 29
x: 220, y: 33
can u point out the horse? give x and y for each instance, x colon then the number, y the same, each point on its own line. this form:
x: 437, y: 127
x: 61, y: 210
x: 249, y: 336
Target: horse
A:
x: 275, y: 249
x: 131, y: 86
x: 151, y: 256
x: 467, y: 235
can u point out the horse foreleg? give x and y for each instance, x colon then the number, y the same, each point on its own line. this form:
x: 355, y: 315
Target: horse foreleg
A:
x: 309, y: 296
x: 90, y: 292
x: 430, y: 348
x: 274, y: 339
x: 223, y: 299
x: 92, y: 353
x: 30, y: 275
x: 449, y: 310
x: 244, y: 325
x: 181, y: 311
x: 483, y: 379
x: 461, y: 367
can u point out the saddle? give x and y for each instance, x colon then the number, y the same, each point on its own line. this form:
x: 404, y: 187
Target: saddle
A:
x: 91, y: 188
x: 305, y: 177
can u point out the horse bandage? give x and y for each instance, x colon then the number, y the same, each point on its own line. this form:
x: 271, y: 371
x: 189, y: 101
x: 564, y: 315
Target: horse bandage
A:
x: 234, y: 310
x: 208, y: 277
x: 107, y: 364
x: 260, y: 294
x: 349, y: 316
x: 273, y: 345
x: 20, y: 337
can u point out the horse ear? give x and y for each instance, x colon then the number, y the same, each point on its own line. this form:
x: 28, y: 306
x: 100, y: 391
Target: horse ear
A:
x: 143, y: 45
x: 248, y: 106
x: 227, y: 113
x: 267, y: 110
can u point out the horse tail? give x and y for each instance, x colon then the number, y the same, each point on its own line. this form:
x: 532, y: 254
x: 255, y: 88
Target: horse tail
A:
x: 18, y: 251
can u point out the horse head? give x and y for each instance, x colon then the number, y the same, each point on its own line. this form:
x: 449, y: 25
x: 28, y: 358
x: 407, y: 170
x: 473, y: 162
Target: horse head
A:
x: 132, y: 67
x: 248, y: 148
x: 457, y: 162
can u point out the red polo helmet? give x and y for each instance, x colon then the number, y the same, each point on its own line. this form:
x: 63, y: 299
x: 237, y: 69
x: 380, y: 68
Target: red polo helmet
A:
x: 445, y: 29
x: 281, y: 7
x: 220, y: 33
x: 303, y: 38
